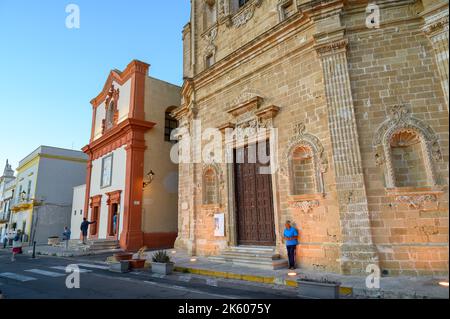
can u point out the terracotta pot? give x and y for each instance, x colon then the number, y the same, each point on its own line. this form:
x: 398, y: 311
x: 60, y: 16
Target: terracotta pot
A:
x: 123, y: 256
x: 137, y: 263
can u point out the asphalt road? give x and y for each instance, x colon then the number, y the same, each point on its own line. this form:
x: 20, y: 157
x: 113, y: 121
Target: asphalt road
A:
x: 45, y: 278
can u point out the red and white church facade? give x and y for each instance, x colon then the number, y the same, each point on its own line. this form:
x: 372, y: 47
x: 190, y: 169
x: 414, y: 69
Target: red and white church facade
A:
x: 131, y: 183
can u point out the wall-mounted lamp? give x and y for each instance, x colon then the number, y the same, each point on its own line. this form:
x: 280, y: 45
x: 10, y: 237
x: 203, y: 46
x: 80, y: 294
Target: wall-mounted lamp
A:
x: 149, y: 178
x: 23, y: 196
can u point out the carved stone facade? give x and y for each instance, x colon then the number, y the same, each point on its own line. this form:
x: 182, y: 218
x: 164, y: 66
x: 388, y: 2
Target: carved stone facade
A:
x: 353, y: 103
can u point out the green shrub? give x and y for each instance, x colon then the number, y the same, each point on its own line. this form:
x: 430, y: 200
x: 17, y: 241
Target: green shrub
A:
x: 161, y: 257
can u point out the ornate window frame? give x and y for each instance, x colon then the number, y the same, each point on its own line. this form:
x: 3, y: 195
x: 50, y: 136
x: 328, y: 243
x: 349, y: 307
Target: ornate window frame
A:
x: 400, y: 119
x: 320, y: 163
x: 305, y: 202
x: 218, y: 178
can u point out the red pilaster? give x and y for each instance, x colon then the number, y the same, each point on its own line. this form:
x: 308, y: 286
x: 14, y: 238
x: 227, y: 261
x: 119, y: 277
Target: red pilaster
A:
x: 132, y: 236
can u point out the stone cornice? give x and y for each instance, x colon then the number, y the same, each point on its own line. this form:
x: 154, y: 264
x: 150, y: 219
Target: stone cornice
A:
x: 246, y: 106
x: 120, y: 135
x: 260, y: 44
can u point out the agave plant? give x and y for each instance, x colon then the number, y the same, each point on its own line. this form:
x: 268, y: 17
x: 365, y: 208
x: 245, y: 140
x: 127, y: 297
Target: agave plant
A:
x: 161, y: 257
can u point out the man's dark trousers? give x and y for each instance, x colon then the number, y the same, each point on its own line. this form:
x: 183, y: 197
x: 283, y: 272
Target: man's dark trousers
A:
x: 291, y: 254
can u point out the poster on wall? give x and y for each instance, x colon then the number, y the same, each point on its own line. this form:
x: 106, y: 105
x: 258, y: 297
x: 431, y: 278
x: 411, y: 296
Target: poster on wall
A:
x: 219, y: 225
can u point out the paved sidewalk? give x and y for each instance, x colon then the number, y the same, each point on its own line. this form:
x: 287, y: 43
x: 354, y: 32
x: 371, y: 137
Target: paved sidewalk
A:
x: 57, y: 251
x: 355, y: 286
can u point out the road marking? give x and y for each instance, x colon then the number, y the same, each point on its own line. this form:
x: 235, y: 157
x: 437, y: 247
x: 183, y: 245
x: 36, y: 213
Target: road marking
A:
x: 212, y: 282
x: 21, y: 278
x: 45, y: 273
x: 93, y: 266
x: 63, y: 268
x: 195, y: 291
x: 185, y: 278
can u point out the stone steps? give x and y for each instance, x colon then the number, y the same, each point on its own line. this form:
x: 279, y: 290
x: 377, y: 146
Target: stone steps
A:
x: 93, y: 245
x: 251, y: 256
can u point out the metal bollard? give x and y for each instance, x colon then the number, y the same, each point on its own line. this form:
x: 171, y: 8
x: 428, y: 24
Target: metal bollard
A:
x: 34, y: 250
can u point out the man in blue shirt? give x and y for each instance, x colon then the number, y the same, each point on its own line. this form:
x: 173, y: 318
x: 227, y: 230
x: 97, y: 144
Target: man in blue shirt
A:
x: 291, y: 238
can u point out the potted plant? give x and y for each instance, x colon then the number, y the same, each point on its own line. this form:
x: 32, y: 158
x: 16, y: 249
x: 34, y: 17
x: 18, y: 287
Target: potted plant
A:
x: 161, y: 263
x: 318, y: 288
x: 123, y: 256
x: 139, y: 261
x: 53, y: 241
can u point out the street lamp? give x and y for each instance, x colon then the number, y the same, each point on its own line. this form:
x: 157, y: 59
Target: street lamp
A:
x: 149, y: 178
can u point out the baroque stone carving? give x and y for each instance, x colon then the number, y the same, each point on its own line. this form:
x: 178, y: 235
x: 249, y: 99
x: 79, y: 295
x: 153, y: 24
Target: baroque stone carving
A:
x: 305, y: 206
x: 210, y: 38
x: 416, y: 201
x: 245, y: 15
x: 401, y: 120
x: 332, y: 47
x: 301, y: 138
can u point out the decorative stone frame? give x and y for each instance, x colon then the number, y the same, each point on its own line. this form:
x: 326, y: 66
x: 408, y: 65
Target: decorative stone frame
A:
x: 207, y: 5
x: 305, y: 202
x: 281, y: 7
x: 218, y: 177
x: 320, y: 163
x: 210, y: 48
x: 95, y: 202
x: 235, y: 16
x: 113, y: 198
x: 112, y: 97
x: 400, y: 119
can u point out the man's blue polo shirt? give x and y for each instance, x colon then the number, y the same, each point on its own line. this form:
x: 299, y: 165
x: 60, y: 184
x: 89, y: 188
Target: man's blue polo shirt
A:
x: 292, y: 232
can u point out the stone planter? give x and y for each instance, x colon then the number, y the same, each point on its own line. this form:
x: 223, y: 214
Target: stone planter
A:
x: 137, y: 263
x: 53, y: 241
x: 318, y: 290
x: 120, y: 267
x: 162, y: 268
x: 123, y: 256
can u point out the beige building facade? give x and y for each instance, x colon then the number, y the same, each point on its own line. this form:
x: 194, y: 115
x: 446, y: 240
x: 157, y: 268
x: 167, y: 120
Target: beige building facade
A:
x: 359, y: 102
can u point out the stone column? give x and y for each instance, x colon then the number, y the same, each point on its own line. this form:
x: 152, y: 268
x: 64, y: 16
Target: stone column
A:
x: 357, y: 249
x: 436, y: 29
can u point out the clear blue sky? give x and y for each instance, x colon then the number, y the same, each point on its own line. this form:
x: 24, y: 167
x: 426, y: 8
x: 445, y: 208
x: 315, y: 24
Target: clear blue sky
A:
x: 49, y: 74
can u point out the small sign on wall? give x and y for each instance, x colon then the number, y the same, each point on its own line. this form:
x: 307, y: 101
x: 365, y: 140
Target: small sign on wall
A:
x: 219, y: 225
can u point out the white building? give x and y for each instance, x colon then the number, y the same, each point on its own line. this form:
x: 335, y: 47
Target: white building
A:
x: 43, y: 197
x: 7, y: 185
x: 77, y: 210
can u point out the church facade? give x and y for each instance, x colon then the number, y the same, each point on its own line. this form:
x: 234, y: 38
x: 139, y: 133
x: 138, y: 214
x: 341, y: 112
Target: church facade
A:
x: 131, y: 183
x: 358, y: 103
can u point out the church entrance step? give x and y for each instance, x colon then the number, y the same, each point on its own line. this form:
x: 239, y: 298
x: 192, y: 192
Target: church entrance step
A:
x: 251, y: 256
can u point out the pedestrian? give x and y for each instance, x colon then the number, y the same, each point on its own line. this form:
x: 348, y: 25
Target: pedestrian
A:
x: 5, y: 240
x: 17, y: 245
x: 66, y: 236
x: 115, y: 223
x: 84, y: 229
x: 291, y: 238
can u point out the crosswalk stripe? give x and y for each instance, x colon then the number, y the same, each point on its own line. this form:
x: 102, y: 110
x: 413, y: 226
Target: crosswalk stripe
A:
x: 63, y: 268
x: 93, y: 266
x: 45, y: 273
x: 13, y: 276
